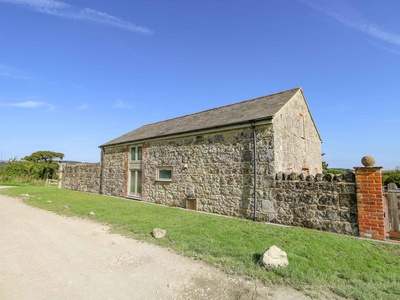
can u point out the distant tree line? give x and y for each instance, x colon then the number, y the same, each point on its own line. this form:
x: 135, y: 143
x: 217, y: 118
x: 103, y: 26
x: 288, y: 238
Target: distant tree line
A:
x: 38, y: 165
x: 388, y: 176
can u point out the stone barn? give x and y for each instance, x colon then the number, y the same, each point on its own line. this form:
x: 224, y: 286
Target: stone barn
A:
x: 223, y: 160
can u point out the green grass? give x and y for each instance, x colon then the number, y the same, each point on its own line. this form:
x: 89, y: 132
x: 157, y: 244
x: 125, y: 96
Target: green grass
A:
x: 23, y: 182
x: 349, y: 267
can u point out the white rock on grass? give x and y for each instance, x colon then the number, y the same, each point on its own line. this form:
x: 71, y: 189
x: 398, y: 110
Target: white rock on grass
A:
x: 159, y: 233
x: 91, y: 213
x: 27, y: 195
x: 273, y: 258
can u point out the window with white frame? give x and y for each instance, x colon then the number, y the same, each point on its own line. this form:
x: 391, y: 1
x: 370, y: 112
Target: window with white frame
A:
x: 164, y: 174
x: 136, y: 153
x: 135, y: 187
x: 135, y: 171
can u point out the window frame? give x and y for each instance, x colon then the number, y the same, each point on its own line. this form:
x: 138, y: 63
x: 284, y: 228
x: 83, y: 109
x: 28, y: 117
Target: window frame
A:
x: 135, y: 171
x: 136, y: 152
x: 137, y: 179
x: 158, y: 178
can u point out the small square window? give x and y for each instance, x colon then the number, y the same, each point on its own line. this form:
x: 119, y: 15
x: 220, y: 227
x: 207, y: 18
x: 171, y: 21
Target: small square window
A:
x: 164, y: 174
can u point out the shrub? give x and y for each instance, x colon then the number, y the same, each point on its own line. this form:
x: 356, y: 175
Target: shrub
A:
x: 390, y: 176
x: 38, y: 165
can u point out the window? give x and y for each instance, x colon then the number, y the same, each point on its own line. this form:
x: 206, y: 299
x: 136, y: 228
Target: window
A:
x: 164, y: 174
x: 135, y: 171
x: 135, y: 183
x: 136, y: 153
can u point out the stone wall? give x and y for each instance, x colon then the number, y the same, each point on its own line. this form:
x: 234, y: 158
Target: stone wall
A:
x: 216, y: 169
x: 115, y: 171
x: 327, y: 203
x: 82, y: 177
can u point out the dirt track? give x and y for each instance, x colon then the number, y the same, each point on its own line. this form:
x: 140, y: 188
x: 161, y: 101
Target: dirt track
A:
x: 46, y: 256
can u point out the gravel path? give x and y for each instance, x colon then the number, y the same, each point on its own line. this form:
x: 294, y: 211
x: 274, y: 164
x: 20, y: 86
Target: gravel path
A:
x: 47, y: 256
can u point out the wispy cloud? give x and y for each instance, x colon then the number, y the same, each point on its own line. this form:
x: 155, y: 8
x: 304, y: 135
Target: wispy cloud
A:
x: 29, y: 104
x: 121, y: 104
x: 64, y: 10
x: 343, y: 12
x: 82, y: 107
x: 12, y: 72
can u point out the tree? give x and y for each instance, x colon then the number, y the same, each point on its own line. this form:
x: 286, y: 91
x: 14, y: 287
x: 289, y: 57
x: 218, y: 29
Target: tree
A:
x: 324, y: 165
x: 44, y: 157
x: 38, y: 165
x: 44, y: 163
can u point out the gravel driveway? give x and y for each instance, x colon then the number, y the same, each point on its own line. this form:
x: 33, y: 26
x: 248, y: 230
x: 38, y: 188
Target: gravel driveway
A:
x: 47, y: 256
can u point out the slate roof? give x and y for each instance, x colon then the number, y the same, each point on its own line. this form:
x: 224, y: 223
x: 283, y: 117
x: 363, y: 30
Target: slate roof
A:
x: 262, y: 108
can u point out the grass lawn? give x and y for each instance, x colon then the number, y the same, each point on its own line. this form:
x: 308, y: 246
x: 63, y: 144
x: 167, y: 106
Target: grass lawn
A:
x: 349, y: 267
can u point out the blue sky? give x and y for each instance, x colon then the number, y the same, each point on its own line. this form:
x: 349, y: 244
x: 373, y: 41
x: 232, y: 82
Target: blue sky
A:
x: 76, y: 74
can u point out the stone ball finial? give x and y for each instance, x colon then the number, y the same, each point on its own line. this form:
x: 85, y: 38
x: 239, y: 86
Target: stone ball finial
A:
x: 368, y: 161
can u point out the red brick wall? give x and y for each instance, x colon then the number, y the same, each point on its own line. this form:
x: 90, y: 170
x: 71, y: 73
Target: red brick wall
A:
x: 370, y: 203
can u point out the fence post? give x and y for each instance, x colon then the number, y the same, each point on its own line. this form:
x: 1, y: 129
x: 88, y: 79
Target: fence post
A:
x: 370, y: 201
x: 60, y: 175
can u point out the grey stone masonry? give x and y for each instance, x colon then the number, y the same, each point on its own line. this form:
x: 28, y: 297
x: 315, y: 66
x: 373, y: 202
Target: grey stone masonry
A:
x: 323, y: 202
x: 297, y: 143
x: 115, y: 171
x: 216, y: 169
x: 82, y: 177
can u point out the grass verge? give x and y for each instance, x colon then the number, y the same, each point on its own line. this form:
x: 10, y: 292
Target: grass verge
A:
x: 349, y: 267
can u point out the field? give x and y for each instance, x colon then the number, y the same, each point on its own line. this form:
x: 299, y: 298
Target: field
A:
x: 349, y: 267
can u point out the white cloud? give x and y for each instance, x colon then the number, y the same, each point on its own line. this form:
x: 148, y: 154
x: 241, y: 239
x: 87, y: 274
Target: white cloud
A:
x: 29, y: 104
x: 121, y: 104
x: 343, y: 12
x: 64, y: 10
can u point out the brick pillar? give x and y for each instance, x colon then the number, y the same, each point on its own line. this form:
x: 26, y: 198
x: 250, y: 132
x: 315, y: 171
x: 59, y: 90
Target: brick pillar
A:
x: 370, y: 203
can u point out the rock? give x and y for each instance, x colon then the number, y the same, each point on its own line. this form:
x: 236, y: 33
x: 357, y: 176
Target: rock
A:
x: 329, y: 177
x: 159, y: 233
x: 273, y: 258
x: 303, y: 176
x: 350, y: 177
x: 319, y: 177
x: 27, y: 195
x: 279, y: 176
x: 91, y: 213
x: 339, y: 177
x: 310, y: 178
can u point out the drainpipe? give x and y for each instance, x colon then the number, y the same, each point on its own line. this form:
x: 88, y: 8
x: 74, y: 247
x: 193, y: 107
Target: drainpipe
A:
x: 255, y: 169
x: 101, y: 170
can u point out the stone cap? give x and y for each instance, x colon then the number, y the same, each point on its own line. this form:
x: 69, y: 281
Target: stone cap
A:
x: 349, y: 177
